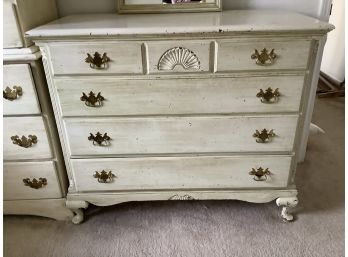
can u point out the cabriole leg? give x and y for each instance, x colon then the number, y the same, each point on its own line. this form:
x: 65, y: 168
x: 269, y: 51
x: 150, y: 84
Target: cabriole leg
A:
x: 287, y: 203
x: 77, y: 207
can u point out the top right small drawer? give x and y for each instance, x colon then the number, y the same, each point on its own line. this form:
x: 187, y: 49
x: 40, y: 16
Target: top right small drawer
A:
x: 262, y: 55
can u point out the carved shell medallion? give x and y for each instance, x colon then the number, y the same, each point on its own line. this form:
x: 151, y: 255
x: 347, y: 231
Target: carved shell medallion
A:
x: 181, y: 197
x: 178, y: 56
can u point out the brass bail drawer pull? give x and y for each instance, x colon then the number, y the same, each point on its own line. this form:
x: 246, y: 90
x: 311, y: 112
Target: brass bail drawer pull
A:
x: 99, y: 139
x: 260, y: 174
x: 92, y: 100
x: 264, y: 136
x: 264, y: 58
x: 98, y: 61
x: 104, y: 176
x: 12, y: 94
x: 268, y: 96
x: 36, y: 184
x: 24, y: 141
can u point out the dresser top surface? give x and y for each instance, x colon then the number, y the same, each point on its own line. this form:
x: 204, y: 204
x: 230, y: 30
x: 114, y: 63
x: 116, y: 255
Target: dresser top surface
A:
x: 178, y: 23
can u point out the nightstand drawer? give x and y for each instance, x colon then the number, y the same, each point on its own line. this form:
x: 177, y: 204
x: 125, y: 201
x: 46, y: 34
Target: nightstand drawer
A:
x: 204, y: 172
x: 89, y: 58
x: 25, y: 138
x: 179, y: 96
x: 41, y: 181
x: 179, y: 56
x: 162, y: 135
x: 19, y: 90
x: 239, y: 56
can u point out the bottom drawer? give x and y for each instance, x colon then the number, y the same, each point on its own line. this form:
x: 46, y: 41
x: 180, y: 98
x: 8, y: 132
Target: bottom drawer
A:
x: 180, y: 173
x: 16, y: 189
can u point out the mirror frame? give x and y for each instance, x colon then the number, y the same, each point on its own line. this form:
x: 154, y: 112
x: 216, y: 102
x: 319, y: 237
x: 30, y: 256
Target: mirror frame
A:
x: 168, y: 8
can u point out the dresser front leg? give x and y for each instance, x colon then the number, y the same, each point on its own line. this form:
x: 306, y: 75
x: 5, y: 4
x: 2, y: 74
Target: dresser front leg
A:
x: 77, y: 207
x: 287, y: 203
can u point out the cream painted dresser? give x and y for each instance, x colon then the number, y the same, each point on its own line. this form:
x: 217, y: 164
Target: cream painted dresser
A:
x: 34, y: 174
x: 180, y: 106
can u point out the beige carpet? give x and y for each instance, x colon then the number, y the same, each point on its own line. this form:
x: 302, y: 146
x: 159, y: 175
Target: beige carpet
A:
x: 208, y: 228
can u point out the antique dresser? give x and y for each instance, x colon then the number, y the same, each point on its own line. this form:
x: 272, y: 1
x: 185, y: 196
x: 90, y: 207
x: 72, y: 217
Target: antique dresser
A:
x: 34, y: 174
x: 189, y: 106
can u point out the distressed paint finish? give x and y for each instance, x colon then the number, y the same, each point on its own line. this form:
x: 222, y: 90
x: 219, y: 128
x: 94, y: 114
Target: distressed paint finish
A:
x: 191, y: 132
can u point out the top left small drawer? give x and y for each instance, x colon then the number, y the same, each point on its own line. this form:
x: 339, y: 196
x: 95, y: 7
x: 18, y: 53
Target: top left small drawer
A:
x: 96, y: 58
x: 19, y: 91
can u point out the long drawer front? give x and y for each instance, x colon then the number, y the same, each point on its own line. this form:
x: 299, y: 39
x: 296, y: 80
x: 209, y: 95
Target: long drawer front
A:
x: 204, y: 172
x: 25, y: 138
x: 162, y: 135
x: 79, y: 97
x: 45, y: 186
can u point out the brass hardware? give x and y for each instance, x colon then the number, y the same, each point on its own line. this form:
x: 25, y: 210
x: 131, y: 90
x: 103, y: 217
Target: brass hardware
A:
x: 264, y: 58
x: 268, y: 96
x: 104, y: 176
x: 35, y: 183
x: 24, y: 141
x: 264, y: 136
x: 92, y: 100
x: 12, y: 94
x: 181, y: 197
x: 260, y: 174
x: 97, y: 61
x: 99, y: 139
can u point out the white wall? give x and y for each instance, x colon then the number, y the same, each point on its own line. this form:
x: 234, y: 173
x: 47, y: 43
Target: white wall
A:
x: 333, y: 58
x: 314, y: 8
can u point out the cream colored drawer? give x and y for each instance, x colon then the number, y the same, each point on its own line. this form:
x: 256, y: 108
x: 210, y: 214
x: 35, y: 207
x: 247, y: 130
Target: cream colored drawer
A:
x: 179, y: 96
x: 180, y: 135
x: 25, y: 148
x: 70, y: 58
x: 16, y: 189
x: 178, y: 56
x: 236, y: 55
x: 22, y: 100
x: 205, y: 172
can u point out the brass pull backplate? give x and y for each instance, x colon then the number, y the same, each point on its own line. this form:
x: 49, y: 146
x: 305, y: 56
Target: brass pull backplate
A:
x: 25, y: 142
x: 99, y: 139
x: 260, y: 174
x: 269, y: 96
x: 104, y: 176
x: 264, y: 57
x: 12, y: 94
x: 36, y: 184
x: 92, y: 100
x: 264, y: 136
x: 97, y: 61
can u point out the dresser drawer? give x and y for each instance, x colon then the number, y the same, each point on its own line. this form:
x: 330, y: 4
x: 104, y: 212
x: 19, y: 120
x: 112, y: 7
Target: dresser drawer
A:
x: 204, y: 172
x: 15, y: 188
x: 70, y: 58
x: 19, y: 90
x: 178, y: 96
x: 240, y: 55
x: 25, y: 148
x: 179, y: 135
x: 179, y: 56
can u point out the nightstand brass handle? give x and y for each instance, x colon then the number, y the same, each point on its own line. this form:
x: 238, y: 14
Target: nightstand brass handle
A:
x: 12, y: 94
x: 99, y: 139
x: 92, y: 100
x: 104, y: 176
x: 264, y: 136
x: 264, y: 58
x: 98, y: 61
x: 260, y: 174
x: 24, y: 141
x: 269, y: 96
x: 35, y: 183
